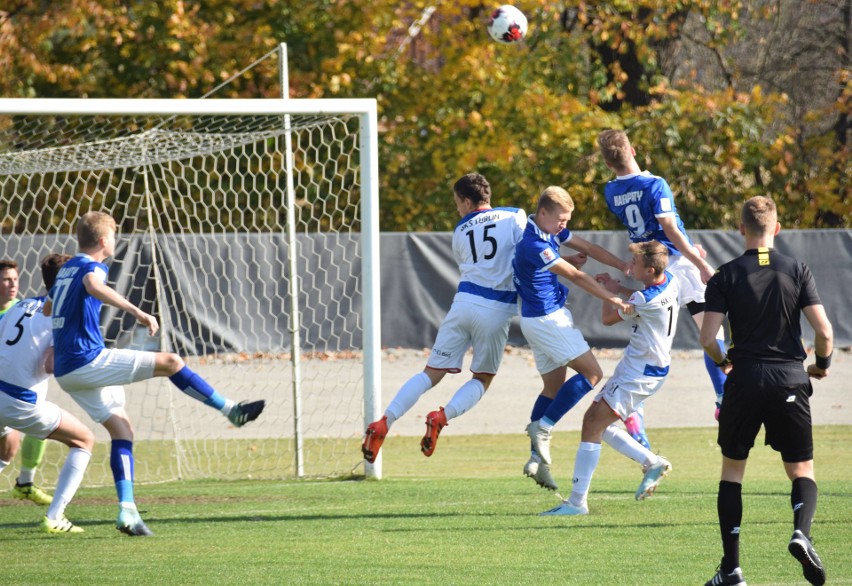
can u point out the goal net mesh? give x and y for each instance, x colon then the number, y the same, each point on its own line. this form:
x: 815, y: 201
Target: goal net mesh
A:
x: 201, y: 207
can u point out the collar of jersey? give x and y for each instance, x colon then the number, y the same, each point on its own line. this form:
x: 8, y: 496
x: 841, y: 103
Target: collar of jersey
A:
x: 650, y: 292
x: 538, y: 231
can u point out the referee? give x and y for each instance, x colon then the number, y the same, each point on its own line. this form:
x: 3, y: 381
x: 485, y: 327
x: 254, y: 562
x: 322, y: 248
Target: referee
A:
x: 764, y: 294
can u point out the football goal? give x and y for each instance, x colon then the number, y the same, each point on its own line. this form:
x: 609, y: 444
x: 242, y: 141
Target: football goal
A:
x: 250, y: 229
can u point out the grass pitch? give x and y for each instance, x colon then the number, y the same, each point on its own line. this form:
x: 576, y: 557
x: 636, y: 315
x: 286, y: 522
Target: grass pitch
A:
x: 464, y: 516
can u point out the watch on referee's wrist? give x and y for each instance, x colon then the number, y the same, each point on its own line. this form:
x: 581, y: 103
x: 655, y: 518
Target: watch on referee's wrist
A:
x: 725, y: 362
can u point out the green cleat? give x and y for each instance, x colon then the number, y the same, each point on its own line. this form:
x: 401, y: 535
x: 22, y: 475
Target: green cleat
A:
x: 31, y: 492
x: 62, y: 525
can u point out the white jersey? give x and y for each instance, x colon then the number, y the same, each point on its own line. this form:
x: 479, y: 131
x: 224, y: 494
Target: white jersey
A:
x: 25, y: 336
x: 648, y: 354
x: 483, y: 246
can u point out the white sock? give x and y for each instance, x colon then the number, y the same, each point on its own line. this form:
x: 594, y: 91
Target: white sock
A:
x: 226, y: 408
x: 3, y: 464
x: 27, y: 476
x: 465, y: 398
x: 407, y: 396
x: 588, y: 456
x: 625, y: 445
x: 69, y: 481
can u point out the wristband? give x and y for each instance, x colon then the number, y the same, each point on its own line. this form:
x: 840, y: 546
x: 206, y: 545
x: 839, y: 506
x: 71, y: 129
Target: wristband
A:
x: 823, y: 362
x: 725, y: 362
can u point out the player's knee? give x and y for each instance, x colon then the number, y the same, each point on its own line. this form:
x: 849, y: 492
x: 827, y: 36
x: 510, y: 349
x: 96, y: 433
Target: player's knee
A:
x: 169, y: 363
x: 119, y: 426
x: 594, y: 376
x: 86, y: 440
x: 485, y: 379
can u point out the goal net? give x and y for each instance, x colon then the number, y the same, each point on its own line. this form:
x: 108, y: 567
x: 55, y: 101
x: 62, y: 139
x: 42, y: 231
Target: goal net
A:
x: 250, y: 229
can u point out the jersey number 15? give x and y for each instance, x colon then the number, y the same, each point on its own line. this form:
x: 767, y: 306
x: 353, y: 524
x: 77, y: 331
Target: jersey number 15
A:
x: 486, y: 240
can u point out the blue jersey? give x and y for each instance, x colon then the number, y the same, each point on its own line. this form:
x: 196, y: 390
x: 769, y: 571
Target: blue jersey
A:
x: 540, y: 291
x: 77, y: 336
x: 638, y: 200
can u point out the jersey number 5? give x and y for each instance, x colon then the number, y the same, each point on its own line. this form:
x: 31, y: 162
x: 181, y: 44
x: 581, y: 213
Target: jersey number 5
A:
x: 20, y: 326
x: 486, y: 239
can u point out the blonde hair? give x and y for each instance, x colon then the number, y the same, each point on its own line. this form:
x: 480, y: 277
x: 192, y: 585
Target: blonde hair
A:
x: 654, y: 255
x: 759, y: 215
x: 615, y: 148
x: 92, y: 226
x: 555, y: 199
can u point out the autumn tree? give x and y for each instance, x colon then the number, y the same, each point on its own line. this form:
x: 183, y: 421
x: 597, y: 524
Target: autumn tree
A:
x: 724, y: 99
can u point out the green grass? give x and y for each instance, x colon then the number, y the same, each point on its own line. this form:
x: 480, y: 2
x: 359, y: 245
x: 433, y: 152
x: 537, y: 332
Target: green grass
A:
x: 464, y: 516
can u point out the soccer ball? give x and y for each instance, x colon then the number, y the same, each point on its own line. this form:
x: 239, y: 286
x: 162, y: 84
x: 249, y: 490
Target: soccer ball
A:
x: 507, y: 24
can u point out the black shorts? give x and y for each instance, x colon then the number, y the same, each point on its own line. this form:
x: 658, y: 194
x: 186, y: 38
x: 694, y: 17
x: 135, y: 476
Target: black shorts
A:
x: 775, y: 396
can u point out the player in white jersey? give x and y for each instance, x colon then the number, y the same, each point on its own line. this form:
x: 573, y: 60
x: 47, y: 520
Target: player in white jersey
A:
x: 640, y: 373
x: 93, y: 375
x: 483, y: 246
x: 26, y: 361
x: 31, y: 448
x: 645, y: 205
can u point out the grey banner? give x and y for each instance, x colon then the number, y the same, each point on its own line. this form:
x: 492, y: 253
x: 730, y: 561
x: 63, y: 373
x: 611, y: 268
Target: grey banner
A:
x: 228, y: 292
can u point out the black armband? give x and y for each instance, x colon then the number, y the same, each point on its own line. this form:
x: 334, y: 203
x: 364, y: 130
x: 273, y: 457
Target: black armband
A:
x: 823, y: 362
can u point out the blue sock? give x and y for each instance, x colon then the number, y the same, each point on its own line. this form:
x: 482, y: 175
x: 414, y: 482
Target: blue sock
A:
x: 569, y: 395
x: 196, y: 387
x: 121, y: 463
x: 540, y: 406
x: 717, y: 377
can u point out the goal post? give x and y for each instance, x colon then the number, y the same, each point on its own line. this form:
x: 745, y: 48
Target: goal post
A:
x: 208, y: 243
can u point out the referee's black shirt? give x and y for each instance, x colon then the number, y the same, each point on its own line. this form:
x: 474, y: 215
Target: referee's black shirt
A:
x: 763, y: 293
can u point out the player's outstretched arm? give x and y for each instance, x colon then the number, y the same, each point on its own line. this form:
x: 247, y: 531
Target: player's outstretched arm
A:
x: 610, y: 315
x: 564, y: 269
x: 110, y: 296
x: 614, y: 285
x: 600, y: 254
x: 823, y: 340
x: 690, y: 252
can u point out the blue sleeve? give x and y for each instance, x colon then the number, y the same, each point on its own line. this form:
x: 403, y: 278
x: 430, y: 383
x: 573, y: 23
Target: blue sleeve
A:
x: 661, y: 195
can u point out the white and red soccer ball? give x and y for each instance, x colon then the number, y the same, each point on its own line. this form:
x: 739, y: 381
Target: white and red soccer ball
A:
x: 507, y: 25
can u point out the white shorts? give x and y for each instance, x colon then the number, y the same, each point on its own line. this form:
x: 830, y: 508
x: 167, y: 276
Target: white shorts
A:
x: 470, y: 325
x: 554, y: 340
x: 625, y: 394
x: 36, y: 419
x: 96, y: 387
x: 689, y: 279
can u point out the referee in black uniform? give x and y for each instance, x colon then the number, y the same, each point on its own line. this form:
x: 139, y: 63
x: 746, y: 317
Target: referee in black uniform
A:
x: 764, y: 294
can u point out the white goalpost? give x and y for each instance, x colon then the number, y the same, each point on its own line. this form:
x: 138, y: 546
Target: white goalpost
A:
x: 250, y: 229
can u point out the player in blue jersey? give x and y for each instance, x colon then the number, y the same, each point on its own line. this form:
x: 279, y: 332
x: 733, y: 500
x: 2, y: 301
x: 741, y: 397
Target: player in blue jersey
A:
x: 93, y: 375
x: 32, y: 448
x: 26, y: 361
x: 645, y: 205
x: 483, y: 246
x: 548, y: 325
x: 639, y: 375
